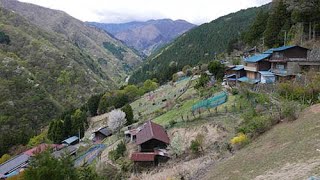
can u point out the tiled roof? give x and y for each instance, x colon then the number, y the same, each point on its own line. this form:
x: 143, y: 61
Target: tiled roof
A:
x: 70, y: 140
x: 257, y: 58
x: 143, y: 156
x: 152, y: 131
x: 14, y: 163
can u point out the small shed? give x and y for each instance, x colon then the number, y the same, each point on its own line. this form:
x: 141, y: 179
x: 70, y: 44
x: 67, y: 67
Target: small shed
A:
x: 102, y: 133
x: 267, y: 77
x: 68, y: 151
x: 71, y: 141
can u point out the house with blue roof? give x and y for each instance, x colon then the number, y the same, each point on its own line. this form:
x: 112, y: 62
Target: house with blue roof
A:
x: 235, y: 72
x: 257, y: 69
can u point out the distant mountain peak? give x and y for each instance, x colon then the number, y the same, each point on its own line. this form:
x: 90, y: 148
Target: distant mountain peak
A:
x: 147, y: 36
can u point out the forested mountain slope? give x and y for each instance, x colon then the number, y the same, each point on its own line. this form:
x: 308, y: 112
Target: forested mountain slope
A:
x: 49, y: 62
x: 197, y: 45
x: 146, y: 37
x: 114, y: 58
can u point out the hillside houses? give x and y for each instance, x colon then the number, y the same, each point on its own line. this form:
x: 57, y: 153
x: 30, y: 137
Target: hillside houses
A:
x: 277, y: 64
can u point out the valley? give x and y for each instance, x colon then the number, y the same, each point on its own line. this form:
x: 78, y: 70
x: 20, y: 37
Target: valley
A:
x: 234, y: 98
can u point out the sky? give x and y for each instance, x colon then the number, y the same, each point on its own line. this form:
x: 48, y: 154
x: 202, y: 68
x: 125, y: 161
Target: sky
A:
x: 120, y: 11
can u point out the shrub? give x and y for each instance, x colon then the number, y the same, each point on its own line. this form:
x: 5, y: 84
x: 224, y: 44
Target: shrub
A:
x: 234, y: 91
x: 119, y: 152
x: 125, y: 165
x: 240, y: 139
x: 256, y: 125
x: 4, y: 158
x: 195, y: 146
x: 172, y: 123
x: 290, y: 110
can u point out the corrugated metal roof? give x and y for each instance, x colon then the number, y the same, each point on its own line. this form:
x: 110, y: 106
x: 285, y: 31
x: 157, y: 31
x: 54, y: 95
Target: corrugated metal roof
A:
x: 229, y: 76
x: 257, y: 58
x: 150, y: 131
x: 66, y: 151
x: 266, y: 73
x: 70, y: 140
x: 282, y: 48
x: 238, y: 68
x: 247, y: 80
x: 105, y: 131
x: 14, y: 163
x: 146, y: 157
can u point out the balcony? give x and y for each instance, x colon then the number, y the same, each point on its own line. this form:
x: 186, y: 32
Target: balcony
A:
x: 248, y: 68
x: 281, y: 72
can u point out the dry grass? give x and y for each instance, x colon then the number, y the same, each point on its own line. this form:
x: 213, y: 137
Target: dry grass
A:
x: 188, y: 166
x: 288, y: 151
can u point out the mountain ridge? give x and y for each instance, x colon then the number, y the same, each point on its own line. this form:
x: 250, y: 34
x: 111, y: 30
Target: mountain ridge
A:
x: 47, y: 67
x: 146, y: 36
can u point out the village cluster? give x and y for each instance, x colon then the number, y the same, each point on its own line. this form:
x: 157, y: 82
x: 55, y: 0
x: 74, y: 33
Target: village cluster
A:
x: 273, y: 65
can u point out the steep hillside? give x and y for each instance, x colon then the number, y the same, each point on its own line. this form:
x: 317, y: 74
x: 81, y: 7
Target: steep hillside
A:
x: 288, y: 151
x: 114, y: 58
x: 51, y: 64
x: 198, y: 45
x: 147, y: 36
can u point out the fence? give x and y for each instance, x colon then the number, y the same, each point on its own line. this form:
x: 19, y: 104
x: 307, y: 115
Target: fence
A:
x: 212, y: 102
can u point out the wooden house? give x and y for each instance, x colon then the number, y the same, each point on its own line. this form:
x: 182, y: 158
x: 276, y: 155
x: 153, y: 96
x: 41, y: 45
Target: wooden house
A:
x: 152, y: 140
x: 234, y: 72
x: 151, y: 137
x: 102, y: 133
x: 288, y: 61
x: 256, y: 67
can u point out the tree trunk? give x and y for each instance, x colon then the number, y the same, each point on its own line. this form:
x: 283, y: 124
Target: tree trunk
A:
x: 310, y: 30
x: 314, y: 31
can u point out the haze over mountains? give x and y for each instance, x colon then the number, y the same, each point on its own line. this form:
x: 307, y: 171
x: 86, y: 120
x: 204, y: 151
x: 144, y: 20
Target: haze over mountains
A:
x: 146, y: 37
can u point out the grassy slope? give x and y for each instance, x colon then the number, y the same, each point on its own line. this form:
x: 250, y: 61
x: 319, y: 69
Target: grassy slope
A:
x: 288, y: 151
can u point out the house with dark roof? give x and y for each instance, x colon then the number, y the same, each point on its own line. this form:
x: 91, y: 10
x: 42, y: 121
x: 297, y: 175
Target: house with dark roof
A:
x: 234, y: 72
x: 152, y: 136
x: 288, y: 61
x: 152, y: 140
x: 102, y: 133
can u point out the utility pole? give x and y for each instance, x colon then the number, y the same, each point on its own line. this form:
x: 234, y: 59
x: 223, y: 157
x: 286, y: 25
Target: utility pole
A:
x: 262, y: 44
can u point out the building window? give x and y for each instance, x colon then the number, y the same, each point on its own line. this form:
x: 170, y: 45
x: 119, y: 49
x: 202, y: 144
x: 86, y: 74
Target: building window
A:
x: 280, y: 66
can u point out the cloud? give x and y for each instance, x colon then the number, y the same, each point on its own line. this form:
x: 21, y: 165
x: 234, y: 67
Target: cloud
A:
x: 116, y: 11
